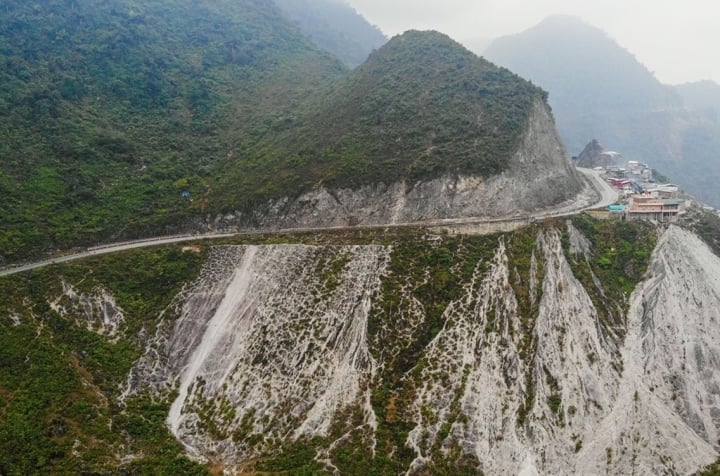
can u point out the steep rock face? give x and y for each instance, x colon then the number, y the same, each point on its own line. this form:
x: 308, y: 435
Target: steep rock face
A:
x: 539, y: 176
x: 595, y: 155
x: 270, y: 345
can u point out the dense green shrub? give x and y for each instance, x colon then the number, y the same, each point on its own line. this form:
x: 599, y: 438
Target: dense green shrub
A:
x: 59, y: 382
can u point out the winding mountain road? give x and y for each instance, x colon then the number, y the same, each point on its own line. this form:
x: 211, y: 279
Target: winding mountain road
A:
x: 607, y: 195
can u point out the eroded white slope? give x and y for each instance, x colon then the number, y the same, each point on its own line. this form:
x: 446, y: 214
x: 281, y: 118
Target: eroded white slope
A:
x: 469, y: 370
x: 210, y: 352
x: 97, y: 311
x: 575, y: 380
x: 665, y: 418
x: 477, y: 378
x: 588, y: 415
x: 270, y: 347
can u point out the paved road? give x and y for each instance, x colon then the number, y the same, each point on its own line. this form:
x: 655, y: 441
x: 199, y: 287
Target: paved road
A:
x: 113, y: 248
x: 607, y: 193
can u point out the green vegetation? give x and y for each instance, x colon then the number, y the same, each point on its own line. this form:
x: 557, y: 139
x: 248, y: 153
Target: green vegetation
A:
x: 297, y: 458
x: 620, y: 256
x: 110, y: 110
x: 122, y: 119
x: 712, y: 470
x: 433, y: 274
x: 706, y: 225
x: 329, y: 268
x: 420, y: 107
x: 520, y: 248
x: 60, y: 383
x: 659, y: 177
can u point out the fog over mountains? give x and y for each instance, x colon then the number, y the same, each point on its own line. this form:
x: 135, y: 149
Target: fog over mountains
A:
x: 701, y: 95
x: 600, y: 91
x: 336, y: 27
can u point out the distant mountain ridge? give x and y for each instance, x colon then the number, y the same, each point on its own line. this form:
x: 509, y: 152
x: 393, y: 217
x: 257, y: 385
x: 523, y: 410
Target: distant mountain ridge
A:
x: 582, y: 67
x: 701, y: 95
x: 599, y: 90
x: 336, y: 27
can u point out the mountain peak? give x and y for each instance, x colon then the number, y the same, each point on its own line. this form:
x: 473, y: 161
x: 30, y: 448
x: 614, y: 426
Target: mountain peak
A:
x: 585, y: 70
x: 568, y: 39
x: 564, y: 21
x: 423, y: 119
x: 423, y: 104
x: 594, y: 155
x: 425, y: 46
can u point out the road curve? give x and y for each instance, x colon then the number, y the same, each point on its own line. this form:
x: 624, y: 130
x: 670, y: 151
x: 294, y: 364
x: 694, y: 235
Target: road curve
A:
x: 607, y: 195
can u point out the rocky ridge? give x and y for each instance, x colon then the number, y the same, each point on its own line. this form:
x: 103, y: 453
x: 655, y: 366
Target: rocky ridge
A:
x: 595, y: 155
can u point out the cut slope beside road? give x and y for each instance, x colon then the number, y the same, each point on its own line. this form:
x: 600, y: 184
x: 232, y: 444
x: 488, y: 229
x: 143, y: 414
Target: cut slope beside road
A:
x: 607, y: 196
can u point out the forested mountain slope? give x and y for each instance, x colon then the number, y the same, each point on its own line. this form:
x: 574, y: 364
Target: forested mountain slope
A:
x: 424, y: 129
x: 110, y: 110
x: 125, y: 119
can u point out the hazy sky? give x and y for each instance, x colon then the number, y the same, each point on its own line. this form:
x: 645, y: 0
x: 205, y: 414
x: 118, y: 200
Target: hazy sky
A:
x: 679, y: 40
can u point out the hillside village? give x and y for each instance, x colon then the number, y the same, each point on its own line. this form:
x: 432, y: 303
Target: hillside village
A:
x: 640, y: 196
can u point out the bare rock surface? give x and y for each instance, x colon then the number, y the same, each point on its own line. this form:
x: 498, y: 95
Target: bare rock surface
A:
x: 97, y: 311
x: 665, y: 418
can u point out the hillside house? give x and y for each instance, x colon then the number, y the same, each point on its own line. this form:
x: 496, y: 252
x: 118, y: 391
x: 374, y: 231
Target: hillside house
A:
x: 620, y: 183
x: 649, y: 207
